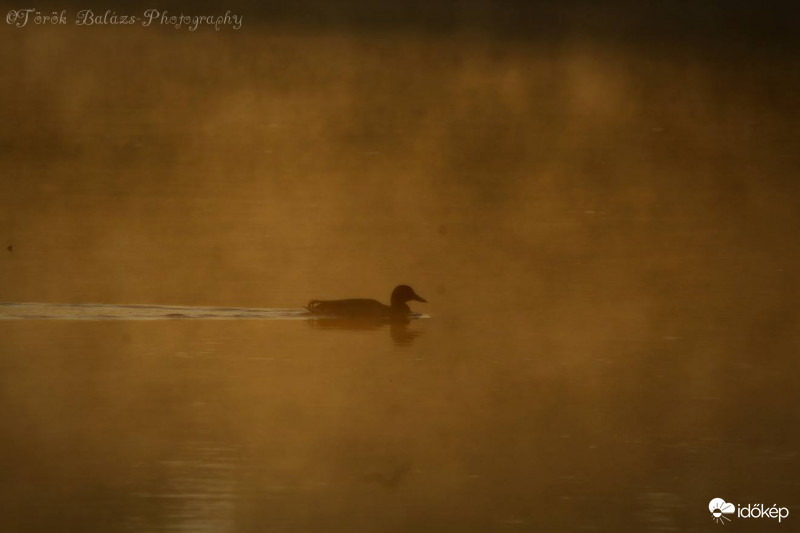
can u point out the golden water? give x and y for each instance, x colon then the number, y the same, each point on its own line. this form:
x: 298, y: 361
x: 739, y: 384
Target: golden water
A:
x: 606, y: 236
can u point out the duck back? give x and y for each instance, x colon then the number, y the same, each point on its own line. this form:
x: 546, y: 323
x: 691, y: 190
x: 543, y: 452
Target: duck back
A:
x: 349, y: 307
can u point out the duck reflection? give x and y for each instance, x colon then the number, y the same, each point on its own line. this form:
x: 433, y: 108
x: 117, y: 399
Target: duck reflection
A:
x: 399, y: 331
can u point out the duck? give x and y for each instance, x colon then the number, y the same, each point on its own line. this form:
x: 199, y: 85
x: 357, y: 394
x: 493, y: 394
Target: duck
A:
x: 367, y: 308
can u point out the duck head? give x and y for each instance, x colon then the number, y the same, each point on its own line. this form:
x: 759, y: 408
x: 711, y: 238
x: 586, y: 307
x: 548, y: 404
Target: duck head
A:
x: 402, y: 294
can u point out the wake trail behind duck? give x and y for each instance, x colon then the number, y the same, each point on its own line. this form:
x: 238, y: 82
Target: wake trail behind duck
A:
x: 49, y: 311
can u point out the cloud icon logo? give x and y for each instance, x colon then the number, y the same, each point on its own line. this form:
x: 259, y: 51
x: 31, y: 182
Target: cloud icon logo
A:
x: 719, y: 508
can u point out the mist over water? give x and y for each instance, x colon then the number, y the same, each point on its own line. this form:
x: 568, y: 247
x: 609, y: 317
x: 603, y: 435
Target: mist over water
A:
x: 605, y: 231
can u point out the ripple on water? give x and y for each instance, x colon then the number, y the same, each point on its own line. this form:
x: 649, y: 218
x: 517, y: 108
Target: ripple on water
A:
x: 46, y: 311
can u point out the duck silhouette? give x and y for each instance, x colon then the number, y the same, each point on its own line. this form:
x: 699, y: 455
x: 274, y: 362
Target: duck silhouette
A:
x: 366, y: 308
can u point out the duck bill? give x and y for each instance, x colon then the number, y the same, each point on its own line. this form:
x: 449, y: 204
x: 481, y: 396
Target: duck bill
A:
x: 419, y: 298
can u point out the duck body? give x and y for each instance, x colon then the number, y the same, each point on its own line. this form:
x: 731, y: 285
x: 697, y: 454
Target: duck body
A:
x: 367, y: 308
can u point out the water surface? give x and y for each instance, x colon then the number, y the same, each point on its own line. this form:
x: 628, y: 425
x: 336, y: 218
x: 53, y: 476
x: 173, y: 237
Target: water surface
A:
x: 605, y: 231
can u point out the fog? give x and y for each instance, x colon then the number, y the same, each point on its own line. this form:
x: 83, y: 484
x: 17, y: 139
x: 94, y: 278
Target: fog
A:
x: 601, y: 214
